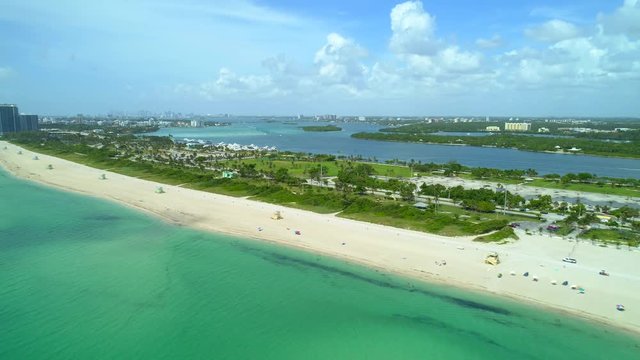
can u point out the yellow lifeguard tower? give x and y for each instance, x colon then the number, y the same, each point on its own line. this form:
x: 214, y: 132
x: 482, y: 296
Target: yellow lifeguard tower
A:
x: 492, y: 259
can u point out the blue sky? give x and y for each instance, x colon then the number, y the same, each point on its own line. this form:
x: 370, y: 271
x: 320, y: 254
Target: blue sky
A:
x: 438, y: 57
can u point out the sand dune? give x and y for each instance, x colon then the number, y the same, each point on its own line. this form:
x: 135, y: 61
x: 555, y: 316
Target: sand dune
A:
x: 414, y: 254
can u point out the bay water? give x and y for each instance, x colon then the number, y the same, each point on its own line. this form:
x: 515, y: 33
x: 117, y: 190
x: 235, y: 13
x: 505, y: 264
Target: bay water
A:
x: 288, y: 136
x: 83, y: 278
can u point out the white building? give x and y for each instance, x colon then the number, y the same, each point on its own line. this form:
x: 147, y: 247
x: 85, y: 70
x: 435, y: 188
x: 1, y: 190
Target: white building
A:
x: 492, y: 128
x: 517, y: 126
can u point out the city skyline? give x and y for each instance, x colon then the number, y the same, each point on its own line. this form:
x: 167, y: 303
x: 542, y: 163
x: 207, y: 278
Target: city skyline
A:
x: 548, y: 58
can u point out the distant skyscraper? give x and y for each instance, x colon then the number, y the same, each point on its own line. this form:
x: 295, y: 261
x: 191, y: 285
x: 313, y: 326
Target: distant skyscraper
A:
x: 29, y: 123
x: 9, y: 119
x: 12, y: 121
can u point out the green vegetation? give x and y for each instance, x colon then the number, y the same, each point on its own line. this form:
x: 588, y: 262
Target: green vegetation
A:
x: 282, y: 178
x: 612, y: 236
x: 407, y: 217
x: 565, y: 229
x: 603, y: 129
x: 520, y: 142
x: 321, y: 128
x: 499, y: 236
x: 482, y: 200
x: 160, y: 160
x: 303, y: 167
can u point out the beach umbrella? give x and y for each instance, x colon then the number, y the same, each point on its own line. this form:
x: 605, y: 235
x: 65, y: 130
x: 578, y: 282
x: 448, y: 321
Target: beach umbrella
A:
x: 512, y: 273
x: 553, y: 282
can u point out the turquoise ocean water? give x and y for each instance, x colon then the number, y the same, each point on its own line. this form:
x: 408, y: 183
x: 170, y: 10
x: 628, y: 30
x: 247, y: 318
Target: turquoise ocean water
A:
x: 82, y: 278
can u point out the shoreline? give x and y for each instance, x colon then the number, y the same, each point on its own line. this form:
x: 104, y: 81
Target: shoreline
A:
x: 405, y: 253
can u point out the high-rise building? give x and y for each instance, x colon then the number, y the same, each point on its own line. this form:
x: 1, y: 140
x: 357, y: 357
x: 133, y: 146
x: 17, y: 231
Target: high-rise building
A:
x: 12, y: 121
x: 29, y: 123
x: 9, y: 118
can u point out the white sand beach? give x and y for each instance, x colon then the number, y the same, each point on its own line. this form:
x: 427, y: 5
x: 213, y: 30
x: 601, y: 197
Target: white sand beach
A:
x: 413, y: 254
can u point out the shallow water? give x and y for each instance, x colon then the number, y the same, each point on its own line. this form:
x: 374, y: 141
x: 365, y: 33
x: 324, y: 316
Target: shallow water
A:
x: 84, y: 278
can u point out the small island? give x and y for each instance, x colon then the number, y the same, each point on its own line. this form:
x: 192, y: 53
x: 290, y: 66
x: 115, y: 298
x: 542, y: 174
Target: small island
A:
x: 321, y: 128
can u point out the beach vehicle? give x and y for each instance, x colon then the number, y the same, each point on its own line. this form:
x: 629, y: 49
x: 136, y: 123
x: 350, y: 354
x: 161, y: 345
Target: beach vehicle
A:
x: 525, y: 274
x: 620, y: 307
x: 603, y: 273
x: 570, y: 260
x: 565, y: 283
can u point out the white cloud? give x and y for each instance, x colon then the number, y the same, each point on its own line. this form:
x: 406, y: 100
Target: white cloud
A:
x: 413, y: 29
x: 491, y: 43
x: 228, y: 84
x: 553, y: 31
x: 427, y: 68
x: 339, y: 62
x: 625, y: 20
x: 455, y: 60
